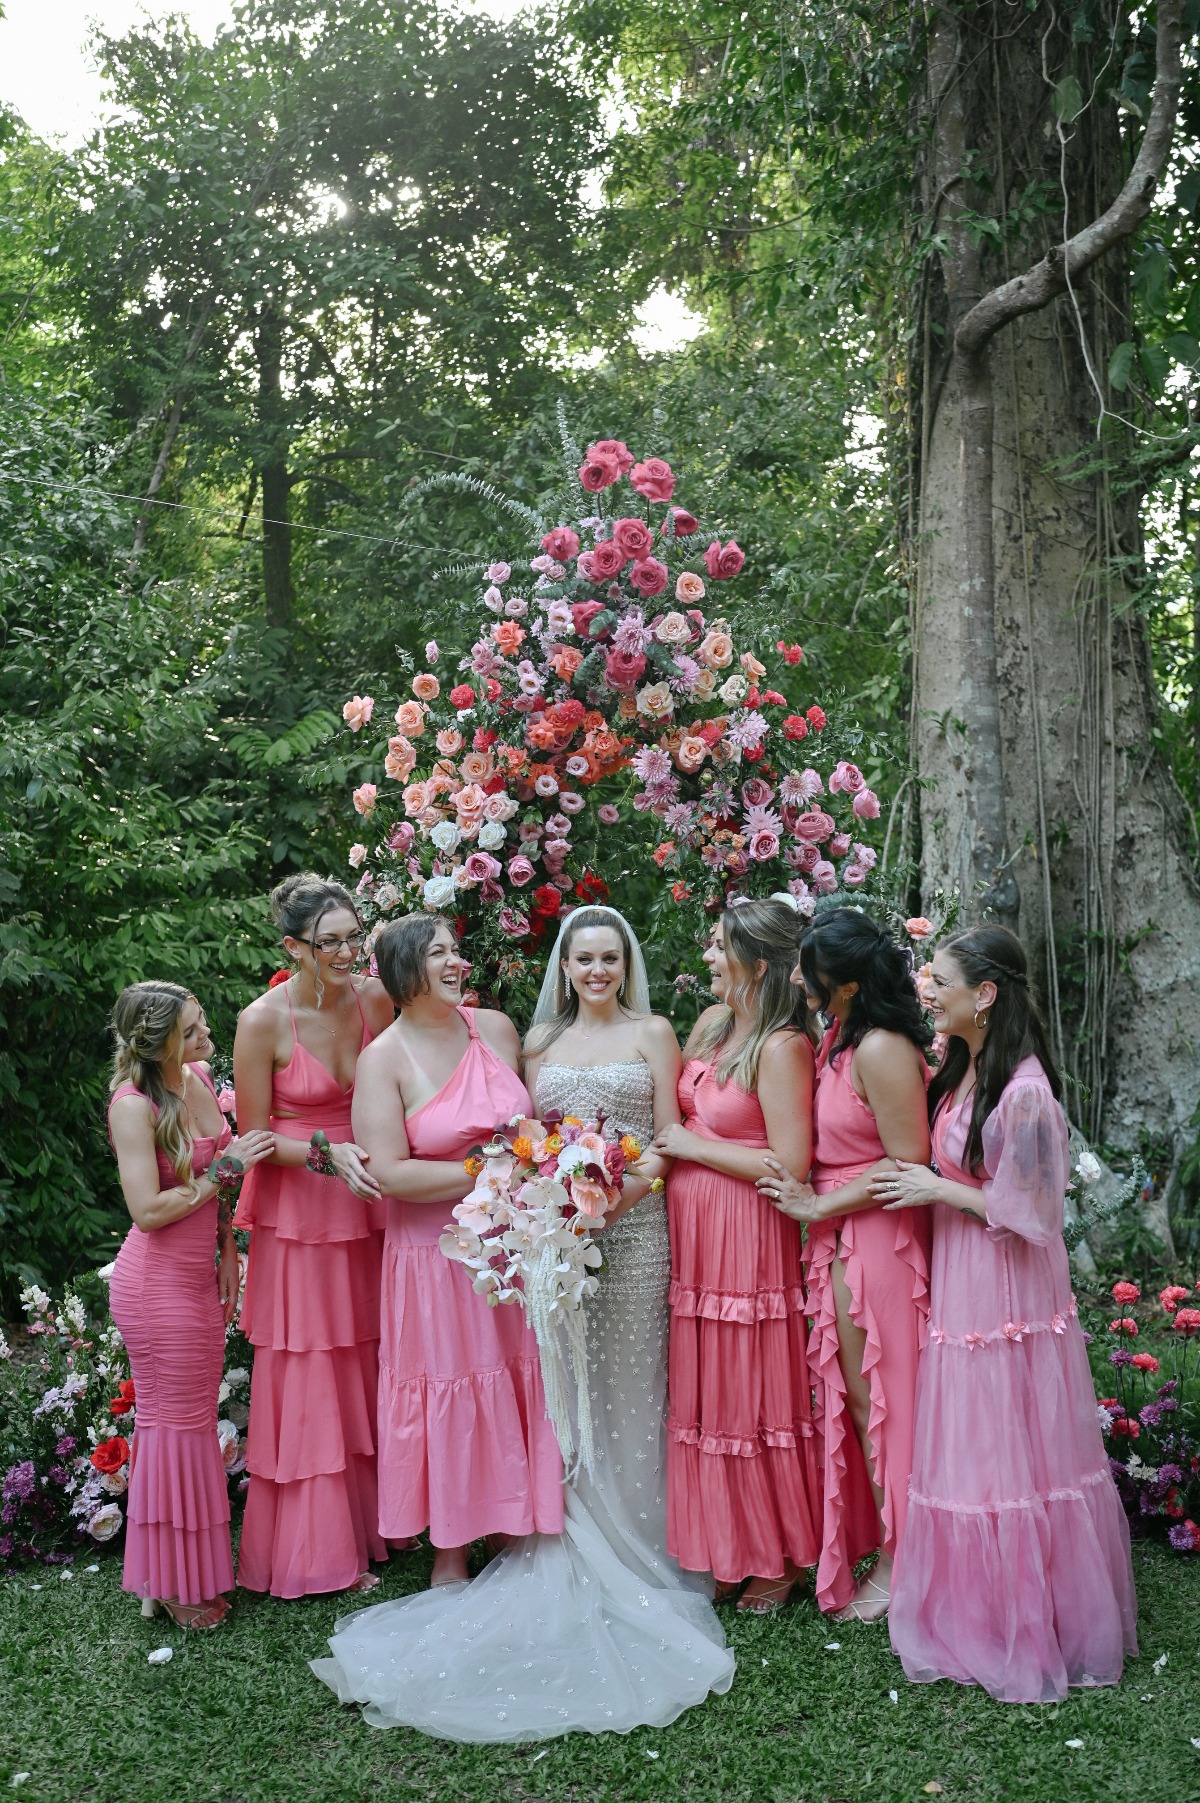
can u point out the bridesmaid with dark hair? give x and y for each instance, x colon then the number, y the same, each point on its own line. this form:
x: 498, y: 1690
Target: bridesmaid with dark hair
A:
x: 1014, y: 1571
x: 172, y: 1300
x: 867, y: 1271
x: 312, y: 1291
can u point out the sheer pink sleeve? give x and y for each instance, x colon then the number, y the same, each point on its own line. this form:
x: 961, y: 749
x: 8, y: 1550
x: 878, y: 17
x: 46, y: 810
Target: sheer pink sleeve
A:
x: 1025, y: 1147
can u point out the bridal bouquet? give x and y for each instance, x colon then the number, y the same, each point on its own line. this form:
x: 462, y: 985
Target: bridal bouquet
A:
x: 524, y: 1234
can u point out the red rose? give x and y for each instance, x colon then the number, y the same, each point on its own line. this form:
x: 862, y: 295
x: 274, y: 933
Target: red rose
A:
x: 612, y: 447
x: 281, y: 976
x: 649, y: 577
x: 547, y: 899
x: 598, y: 470
x: 562, y: 544
x: 462, y: 695
x: 795, y: 727
x: 124, y: 1400
x: 591, y: 888
x: 722, y: 561
x: 623, y: 670
x: 604, y: 562
x: 816, y: 718
x: 685, y: 523
x: 110, y: 1455
x: 633, y: 538
x: 582, y: 615
x: 653, y: 478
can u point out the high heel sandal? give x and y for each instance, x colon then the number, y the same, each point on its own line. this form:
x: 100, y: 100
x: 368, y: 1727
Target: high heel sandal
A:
x: 729, y: 1593
x: 200, y: 1617
x: 366, y: 1580
x: 769, y: 1601
x: 854, y: 1610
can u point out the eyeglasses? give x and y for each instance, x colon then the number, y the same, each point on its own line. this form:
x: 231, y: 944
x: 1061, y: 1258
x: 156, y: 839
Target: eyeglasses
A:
x: 352, y: 941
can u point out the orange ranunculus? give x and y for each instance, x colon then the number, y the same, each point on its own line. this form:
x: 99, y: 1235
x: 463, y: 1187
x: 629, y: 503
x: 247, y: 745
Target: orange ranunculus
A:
x: 631, y: 1147
x: 523, y: 1148
x: 541, y: 735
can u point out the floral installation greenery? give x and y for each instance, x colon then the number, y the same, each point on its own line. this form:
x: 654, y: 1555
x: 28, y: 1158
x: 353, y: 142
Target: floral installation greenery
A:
x: 604, y: 704
x: 68, y: 1415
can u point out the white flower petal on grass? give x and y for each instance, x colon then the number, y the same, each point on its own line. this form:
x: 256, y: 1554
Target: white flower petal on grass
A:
x: 20, y: 1778
x: 1160, y: 1662
x: 833, y: 1646
x: 893, y: 1696
x: 650, y: 1753
x: 1076, y: 1744
x: 544, y: 1754
x: 35, y: 1586
x: 162, y: 1655
x: 63, y: 1575
x: 1196, y: 1740
x: 91, y: 1568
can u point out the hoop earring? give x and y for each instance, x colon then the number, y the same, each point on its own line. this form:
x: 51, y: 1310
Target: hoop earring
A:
x: 980, y: 1024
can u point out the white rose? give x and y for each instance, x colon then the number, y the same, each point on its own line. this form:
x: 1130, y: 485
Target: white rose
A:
x: 439, y: 892
x: 445, y: 836
x: 1089, y: 1167
x: 492, y: 835
x: 115, y: 1483
x: 237, y: 1377
x: 105, y: 1522
x: 734, y: 689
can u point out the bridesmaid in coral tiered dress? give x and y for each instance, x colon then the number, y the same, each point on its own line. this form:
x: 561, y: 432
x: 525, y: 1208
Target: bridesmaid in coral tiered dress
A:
x: 465, y: 1448
x: 1014, y: 1569
x: 170, y: 1300
x: 743, y: 1469
x: 867, y: 1271
x: 312, y: 1290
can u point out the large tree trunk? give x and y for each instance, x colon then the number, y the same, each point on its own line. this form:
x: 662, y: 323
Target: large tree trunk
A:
x: 273, y: 473
x: 1093, y: 830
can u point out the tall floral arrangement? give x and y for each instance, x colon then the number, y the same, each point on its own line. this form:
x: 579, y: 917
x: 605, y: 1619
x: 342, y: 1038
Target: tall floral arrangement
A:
x: 607, y: 700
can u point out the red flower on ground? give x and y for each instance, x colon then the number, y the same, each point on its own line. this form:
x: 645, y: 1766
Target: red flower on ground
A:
x: 110, y: 1455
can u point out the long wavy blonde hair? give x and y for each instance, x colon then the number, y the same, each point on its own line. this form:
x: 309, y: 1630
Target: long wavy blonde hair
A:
x: 147, y: 1029
x: 755, y: 930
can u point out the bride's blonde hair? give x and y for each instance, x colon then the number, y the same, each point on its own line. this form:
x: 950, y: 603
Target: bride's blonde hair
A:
x: 147, y: 1029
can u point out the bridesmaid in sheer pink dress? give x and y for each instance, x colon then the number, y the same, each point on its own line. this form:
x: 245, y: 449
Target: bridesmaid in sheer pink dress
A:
x: 743, y: 1466
x: 465, y: 1448
x: 1014, y: 1571
x: 170, y: 1300
x: 867, y: 1271
x: 312, y: 1290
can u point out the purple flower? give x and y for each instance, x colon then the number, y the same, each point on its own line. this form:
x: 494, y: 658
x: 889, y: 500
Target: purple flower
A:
x: 20, y: 1481
x: 1120, y: 1357
x: 58, y: 1474
x: 1170, y: 1474
x: 66, y: 1446
x: 652, y: 764
x: 1181, y: 1538
x: 749, y: 732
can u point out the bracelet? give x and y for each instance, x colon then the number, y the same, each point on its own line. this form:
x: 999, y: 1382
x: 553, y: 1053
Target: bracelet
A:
x: 225, y: 1174
x: 320, y: 1157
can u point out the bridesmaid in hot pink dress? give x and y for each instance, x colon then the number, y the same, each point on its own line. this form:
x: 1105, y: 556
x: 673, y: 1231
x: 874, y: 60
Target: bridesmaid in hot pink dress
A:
x: 170, y: 1302
x: 743, y: 1467
x: 312, y: 1290
x: 1014, y: 1570
x: 465, y: 1448
x: 867, y: 1271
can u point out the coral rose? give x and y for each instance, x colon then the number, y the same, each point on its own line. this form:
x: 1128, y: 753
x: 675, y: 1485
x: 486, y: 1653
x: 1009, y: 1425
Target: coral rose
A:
x: 751, y: 666
x: 425, y: 686
x: 633, y: 538
x: 653, y: 478
x: 477, y: 767
x: 564, y: 663
x: 716, y: 650
x: 918, y: 927
x: 410, y: 718
x: 110, y: 1455
x: 400, y: 760
x: 364, y: 798
x: 648, y: 577
x: 722, y: 561
x: 508, y: 637
x: 561, y: 544
x: 449, y: 741
x: 358, y: 711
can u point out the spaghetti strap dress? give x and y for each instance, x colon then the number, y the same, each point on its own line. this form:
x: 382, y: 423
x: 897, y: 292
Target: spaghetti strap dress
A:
x: 465, y: 1447
x: 885, y: 1256
x: 743, y: 1465
x: 164, y: 1300
x: 1014, y: 1570
x: 311, y: 1310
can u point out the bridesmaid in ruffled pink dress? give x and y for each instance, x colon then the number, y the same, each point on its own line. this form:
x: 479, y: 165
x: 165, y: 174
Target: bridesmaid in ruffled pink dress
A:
x: 867, y: 1271
x: 311, y: 1307
x: 1014, y: 1570
x: 743, y: 1465
x: 171, y: 1301
x: 465, y: 1448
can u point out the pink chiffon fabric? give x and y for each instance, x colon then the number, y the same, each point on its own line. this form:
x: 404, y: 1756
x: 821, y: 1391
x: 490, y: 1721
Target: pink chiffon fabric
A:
x: 1014, y: 1570
x: 311, y: 1310
x: 743, y: 1466
x: 163, y: 1298
x: 465, y: 1447
x: 886, y: 1260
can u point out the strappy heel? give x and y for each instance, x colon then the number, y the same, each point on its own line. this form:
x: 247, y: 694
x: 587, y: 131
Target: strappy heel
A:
x: 854, y: 1611
x: 197, y: 1617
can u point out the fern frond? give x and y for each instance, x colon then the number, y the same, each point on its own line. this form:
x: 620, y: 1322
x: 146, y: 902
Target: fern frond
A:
x: 484, y: 491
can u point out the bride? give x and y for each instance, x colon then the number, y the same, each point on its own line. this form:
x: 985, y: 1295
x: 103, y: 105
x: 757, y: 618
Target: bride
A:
x: 596, y: 1629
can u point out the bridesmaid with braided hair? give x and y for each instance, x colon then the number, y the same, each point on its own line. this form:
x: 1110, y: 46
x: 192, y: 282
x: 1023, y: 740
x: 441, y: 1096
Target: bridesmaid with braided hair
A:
x: 170, y: 1299
x: 1014, y: 1570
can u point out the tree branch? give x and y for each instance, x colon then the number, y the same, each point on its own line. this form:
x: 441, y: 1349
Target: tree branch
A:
x: 1063, y: 262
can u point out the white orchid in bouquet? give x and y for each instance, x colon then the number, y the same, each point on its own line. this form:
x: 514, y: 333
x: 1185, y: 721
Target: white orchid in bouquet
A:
x: 606, y: 684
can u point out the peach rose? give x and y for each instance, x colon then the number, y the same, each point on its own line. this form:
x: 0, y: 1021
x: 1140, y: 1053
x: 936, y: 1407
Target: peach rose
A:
x: 654, y: 701
x: 410, y: 718
x: 478, y: 767
x: 416, y: 799
x: 691, y: 753
x: 449, y: 741
x: 716, y: 650
x: 673, y: 628
x: 508, y: 637
x: 426, y: 686
x: 500, y: 807
x: 704, y: 686
x: 358, y: 711
x: 689, y: 588
x: 565, y: 662
x: 918, y: 927
x: 401, y: 758
x: 751, y: 666
x: 470, y: 798
x: 364, y: 798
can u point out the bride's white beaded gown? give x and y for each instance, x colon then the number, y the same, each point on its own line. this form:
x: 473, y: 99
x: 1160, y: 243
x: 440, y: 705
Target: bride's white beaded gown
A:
x: 596, y: 1629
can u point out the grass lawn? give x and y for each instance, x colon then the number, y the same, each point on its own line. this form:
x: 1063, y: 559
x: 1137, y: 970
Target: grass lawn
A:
x: 236, y: 1716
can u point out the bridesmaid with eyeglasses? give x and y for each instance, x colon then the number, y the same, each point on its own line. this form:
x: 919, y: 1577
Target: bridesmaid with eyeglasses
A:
x: 311, y: 1306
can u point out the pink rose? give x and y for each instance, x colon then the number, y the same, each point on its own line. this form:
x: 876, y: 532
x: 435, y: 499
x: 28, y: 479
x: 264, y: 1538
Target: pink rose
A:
x: 561, y: 544
x: 685, y: 523
x: 764, y: 846
x: 449, y: 742
x: 426, y: 686
x: 823, y: 877
x: 649, y: 577
x: 598, y: 470
x: 470, y: 798
x: 814, y: 827
x: 853, y: 875
x: 364, y: 798
x: 847, y: 779
x: 623, y: 670
x: 481, y: 865
x: 866, y: 805
x: 716, y: 650
x: 613, y: 447
x: 514, y: 925
x: 227, y: 1099
x: 400, y: 760
x: 520, y: 871
x: 499, y: 807
x: 416, y: 799
x: 358, y: 711
x: 607, y: 814
x: 918, y: 927
x: 673, y: 628
x: 691, y: 753
x: 633, y: 538
x: 582, y: 615
x: 839, y: 845
x: 603, y: 563
x: 722, y: 561
x: 401, y: 838
x: 653, y: 479
x: 410, y: 718
x: 756, y: 793
x: 498, y: 572
x: 357, y: 855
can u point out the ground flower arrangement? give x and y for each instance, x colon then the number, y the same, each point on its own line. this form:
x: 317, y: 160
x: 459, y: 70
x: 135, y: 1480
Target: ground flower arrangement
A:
x: 1152, y: 1421
x: 598, y: 701
x: 68, y: 1419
